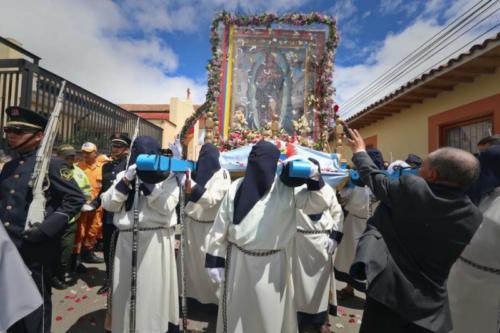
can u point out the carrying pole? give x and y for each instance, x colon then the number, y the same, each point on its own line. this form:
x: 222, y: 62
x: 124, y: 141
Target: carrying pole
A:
x: 184, y: 308
x: 135, y: 243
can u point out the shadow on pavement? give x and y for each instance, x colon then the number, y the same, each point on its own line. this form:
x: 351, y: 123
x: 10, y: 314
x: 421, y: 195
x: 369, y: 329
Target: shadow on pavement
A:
x: 90, y: 322
x: 94, y: 277
x: 354, y: 302
x: 203, y: 318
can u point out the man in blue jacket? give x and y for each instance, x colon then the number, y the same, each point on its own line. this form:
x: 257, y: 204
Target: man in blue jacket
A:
x: 37, y: 245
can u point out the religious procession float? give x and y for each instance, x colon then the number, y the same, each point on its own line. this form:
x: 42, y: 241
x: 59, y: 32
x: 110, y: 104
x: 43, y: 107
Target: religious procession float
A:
x: 271, y: 77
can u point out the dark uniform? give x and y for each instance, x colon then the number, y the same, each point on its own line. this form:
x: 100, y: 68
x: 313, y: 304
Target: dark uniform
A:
x: 109, y: 172
x: 64, y: 200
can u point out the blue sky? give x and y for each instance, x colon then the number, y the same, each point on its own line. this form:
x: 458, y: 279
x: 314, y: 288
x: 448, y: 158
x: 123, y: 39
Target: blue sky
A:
x: 146, y: 51
x: 363, y: 25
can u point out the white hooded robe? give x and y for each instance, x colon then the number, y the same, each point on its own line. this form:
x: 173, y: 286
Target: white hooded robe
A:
x: 198, y: 220
x: 258, y: 291
x: 474, y: 293
x: 157, y: 291
x: 313, y: 277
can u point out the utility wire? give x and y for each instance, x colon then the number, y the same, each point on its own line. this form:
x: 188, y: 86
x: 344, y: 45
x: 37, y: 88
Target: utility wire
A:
x: 389, y: 81
x: 411, y: 55
x: 427, y: 52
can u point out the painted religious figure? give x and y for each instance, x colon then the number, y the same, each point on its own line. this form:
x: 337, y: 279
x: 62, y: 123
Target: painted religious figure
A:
x: 270, y: 75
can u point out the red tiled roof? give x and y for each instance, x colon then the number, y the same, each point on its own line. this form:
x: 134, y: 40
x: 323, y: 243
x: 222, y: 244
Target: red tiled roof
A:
x: 146, y: 107
x: 153, y: 115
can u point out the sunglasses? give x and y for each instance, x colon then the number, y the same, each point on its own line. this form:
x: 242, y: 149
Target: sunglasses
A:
x: 17, y: 131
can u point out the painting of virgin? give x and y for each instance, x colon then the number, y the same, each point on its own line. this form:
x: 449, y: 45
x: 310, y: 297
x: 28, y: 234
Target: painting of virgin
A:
x: 271, y: 76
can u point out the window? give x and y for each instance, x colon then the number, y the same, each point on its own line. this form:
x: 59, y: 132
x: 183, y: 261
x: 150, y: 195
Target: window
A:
x: 466, y: 135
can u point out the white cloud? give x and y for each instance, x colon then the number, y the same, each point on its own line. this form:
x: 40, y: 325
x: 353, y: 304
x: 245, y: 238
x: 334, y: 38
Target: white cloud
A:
x: 434, y: 6
x: 398, y: 6
x: 87, y: 41
x: 158, y: 15
x: 344, y: 9
x: 83, y: 42
x: 187, y: 16
x: 350, y: 80
x: 389, y: 6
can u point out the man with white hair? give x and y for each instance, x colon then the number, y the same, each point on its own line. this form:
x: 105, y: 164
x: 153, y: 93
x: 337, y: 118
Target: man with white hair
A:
x: 418, y: 231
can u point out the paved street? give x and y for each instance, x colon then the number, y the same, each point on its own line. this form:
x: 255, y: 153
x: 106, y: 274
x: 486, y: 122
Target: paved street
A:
x: 80, y: 310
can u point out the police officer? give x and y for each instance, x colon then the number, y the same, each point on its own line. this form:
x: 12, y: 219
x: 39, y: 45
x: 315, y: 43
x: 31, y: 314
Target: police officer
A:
x: 120, y: 145
x: 37, y: 245
x: 67, y: 242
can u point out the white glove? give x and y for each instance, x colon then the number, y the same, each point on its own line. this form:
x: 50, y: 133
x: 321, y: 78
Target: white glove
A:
x: 216, y: 274
x: 314, y: 174
x: 330, y: 245
x: 87, y: 208
x: 131, y: 172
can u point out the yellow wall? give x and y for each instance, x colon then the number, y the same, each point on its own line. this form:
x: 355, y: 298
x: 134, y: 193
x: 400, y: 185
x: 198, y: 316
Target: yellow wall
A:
x: 407, y: 132
x: 8, y: 53
x: 180, y: 110
x: 168, y: 131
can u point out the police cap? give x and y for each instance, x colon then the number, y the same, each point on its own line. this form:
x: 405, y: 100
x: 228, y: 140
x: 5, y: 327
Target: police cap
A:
x: 120, y: 139
x: 26, y: 119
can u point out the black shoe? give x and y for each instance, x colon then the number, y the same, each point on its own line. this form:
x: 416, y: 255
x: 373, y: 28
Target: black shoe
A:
x: 58, y: 284
x: 76, y: 265
x: 80, y: 269
x: 99, y: 246
x: 103, y: 290
x: 90, y: 258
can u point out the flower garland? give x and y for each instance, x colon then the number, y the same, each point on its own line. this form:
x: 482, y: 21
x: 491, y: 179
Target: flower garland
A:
x: 244, y: 137
x: 323, y: 92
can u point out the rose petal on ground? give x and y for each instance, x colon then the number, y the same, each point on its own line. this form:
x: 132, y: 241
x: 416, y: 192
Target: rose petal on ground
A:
x: 84, y: 297
x: 70, y: 309
x: 351, y: 321
x: 58, y: 318
x: 339, y: 325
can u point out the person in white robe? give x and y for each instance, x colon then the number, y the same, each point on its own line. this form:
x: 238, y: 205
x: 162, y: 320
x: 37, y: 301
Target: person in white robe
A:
x: 474, y: 280
x: 157, y: 304
x: 18, y: 291
x: 359, y: 204
x: 206, y: 189
x: 314, y: 283
x: 252, y: 237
